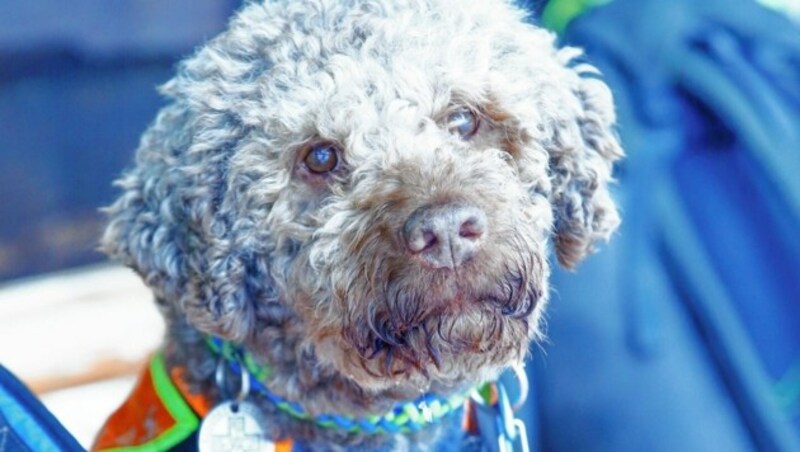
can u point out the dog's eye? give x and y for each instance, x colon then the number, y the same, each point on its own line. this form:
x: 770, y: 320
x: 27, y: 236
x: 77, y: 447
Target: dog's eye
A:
x: 463, y: 122
x: 322, y: 157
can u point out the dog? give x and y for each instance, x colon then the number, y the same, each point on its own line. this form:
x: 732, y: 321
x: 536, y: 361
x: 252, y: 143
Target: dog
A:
x: 363, y: 196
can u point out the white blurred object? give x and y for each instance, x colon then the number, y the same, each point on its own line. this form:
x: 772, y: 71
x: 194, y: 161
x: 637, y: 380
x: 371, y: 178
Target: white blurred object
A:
x: 83, y: 409
x: 791, y: 8
x: 78, y: 339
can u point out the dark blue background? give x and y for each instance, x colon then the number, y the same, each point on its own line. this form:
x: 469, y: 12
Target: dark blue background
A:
x: 78, y: 85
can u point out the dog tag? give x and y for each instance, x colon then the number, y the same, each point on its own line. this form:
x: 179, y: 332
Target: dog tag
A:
x: 234, y: 426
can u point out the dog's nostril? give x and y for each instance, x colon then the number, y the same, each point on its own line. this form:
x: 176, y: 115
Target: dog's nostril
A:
x: 445, y: 236
x: 421, y: 239
x: 472, y: 228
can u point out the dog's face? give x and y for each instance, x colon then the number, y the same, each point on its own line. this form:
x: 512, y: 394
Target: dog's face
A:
x: 379, y: 180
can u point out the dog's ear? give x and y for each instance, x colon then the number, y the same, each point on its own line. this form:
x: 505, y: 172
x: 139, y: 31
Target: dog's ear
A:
x: 183, y: 221
x: 168, y: 226
x: 581, y: 154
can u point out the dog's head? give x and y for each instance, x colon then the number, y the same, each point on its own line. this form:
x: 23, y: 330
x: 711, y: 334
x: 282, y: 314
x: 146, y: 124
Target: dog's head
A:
x: 385, y: 175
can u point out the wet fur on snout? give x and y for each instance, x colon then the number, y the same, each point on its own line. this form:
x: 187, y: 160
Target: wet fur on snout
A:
x: 237, y: 239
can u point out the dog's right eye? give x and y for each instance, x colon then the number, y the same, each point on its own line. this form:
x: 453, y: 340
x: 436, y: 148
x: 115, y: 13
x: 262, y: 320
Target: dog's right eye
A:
x: 463, y: 122
x: 322, y: 157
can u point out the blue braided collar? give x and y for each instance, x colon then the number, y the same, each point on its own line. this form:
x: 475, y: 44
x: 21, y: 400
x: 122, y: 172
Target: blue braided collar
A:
x: 426, y: 410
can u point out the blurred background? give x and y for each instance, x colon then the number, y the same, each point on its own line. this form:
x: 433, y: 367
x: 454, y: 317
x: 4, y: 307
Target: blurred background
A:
x: 683, y: 333
x: 77, y: 88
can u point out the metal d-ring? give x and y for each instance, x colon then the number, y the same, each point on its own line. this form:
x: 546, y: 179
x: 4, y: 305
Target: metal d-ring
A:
x: 244, y: 380
x: 497, y: 424
x: 522, y: 381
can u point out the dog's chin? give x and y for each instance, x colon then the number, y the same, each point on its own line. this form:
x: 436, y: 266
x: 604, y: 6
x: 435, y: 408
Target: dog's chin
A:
x: 465, y: 343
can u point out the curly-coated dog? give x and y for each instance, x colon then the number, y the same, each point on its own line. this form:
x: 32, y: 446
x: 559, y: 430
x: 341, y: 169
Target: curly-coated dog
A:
x: 361, y: 197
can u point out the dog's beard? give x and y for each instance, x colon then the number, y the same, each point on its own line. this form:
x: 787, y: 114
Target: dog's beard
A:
x: 424, y: 330
x: 422, y: 336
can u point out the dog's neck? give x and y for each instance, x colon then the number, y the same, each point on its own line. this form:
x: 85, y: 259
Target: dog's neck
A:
x: 305, y: 385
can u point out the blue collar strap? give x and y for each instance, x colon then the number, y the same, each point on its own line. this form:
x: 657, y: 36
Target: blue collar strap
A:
x: 426, y: 410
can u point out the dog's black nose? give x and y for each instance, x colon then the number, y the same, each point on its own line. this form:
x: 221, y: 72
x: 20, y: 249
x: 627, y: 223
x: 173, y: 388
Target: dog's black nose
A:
x: 445, y: 236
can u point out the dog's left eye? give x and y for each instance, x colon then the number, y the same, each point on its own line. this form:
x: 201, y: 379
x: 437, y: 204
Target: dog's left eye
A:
x: 322, y: 157
x: 463, y: 122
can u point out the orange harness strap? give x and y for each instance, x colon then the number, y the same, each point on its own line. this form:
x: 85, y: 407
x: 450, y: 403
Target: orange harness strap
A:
x: 159, y: 414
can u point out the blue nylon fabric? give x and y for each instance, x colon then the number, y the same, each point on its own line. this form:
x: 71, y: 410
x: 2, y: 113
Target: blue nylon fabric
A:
x: 9, y: 440
x: 25, y: 424
x: 676, y: 335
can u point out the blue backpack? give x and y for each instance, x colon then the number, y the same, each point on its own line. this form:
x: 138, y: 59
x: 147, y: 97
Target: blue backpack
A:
x: 684, y: 333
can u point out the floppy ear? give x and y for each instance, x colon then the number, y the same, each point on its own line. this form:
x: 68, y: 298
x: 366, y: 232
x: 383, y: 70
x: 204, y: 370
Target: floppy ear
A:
x: 167, y: 224
x: 181, y: 221
x: 581, y: 154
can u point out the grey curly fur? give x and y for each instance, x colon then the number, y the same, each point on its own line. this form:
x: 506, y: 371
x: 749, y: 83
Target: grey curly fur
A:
x: 236, y: 240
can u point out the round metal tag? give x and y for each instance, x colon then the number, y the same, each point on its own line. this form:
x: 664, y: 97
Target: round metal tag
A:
x: 234, y: 426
